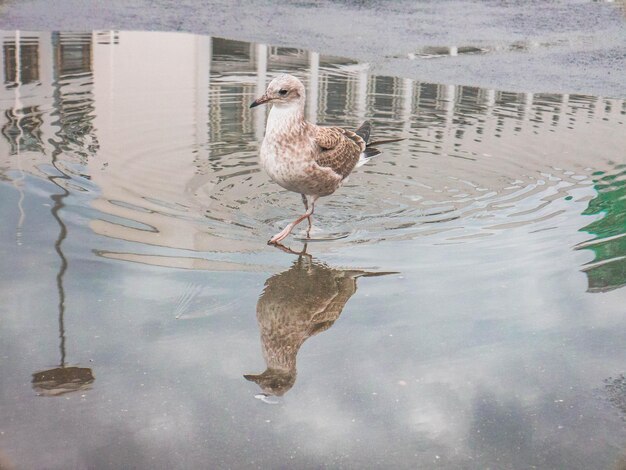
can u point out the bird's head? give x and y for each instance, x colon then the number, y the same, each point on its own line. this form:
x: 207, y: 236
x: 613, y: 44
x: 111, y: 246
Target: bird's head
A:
x: 284, y: 90
x: 275, y: 382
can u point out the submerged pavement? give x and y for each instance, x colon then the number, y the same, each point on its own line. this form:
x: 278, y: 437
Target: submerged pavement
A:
x: 561, y: 46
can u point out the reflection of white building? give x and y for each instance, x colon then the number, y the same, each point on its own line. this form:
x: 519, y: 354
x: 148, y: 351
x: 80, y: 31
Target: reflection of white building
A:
x: 169, y: 80
x: 150, y: 70
x: 162, y: 123
x: 151, y: 96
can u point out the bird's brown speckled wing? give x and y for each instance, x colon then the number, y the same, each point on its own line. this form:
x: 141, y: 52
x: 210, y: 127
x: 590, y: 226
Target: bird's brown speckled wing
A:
x: 339, y: 149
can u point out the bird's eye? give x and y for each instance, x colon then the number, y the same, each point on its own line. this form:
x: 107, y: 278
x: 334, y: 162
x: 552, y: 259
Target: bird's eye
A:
x: 282, y: 92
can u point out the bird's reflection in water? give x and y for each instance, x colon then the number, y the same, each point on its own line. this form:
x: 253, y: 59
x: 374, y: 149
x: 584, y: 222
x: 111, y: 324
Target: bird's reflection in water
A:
x: 296, y: 304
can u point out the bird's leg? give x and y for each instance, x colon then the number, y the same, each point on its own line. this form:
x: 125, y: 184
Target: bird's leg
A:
x: 306, y: 208
x: 301, y: 254
x: 287, y: 230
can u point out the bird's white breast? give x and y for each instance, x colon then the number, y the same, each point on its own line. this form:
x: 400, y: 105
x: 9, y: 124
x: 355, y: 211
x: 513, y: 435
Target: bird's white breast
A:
x: 287, y: 154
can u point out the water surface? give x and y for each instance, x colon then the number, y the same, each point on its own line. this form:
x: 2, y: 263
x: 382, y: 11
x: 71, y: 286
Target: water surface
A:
x: 473, y: 316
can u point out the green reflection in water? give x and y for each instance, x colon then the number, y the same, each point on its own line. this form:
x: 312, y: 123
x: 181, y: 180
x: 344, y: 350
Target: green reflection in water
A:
x: 608, y: 270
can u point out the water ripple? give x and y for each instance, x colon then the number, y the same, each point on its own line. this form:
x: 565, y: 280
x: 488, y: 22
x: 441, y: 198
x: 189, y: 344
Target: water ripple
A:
x: 173, y: 164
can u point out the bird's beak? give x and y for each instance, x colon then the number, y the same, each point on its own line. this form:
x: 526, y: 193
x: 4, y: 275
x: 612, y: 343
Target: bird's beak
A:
x: 262, y: 100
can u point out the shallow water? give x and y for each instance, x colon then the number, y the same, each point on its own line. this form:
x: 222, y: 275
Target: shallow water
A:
x: 472, y: 316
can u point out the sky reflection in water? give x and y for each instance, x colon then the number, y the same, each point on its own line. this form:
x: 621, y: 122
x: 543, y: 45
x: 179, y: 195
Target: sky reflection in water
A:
x: 135, y: 219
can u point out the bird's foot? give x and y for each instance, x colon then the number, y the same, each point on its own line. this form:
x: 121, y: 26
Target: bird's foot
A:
x: 286, y: 249
x: 280, y: 236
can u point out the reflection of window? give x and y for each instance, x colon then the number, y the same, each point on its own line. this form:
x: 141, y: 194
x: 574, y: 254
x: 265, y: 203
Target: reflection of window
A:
x: 336, y: 96
x: 107, y: 37
x: 29, y: 63
x: 228, y: 56
x: 72, y: 53
x: 74, y: 58
x: 74, y: 109
x: 237, y: 50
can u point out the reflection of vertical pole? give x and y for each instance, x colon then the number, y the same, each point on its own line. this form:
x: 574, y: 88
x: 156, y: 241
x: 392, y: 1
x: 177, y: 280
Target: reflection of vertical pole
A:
x: 407, y: 112
x: 564, y: 104
x: 448, y: 94
x: 209, y: 63
x: 18, y: 61
x: 58, y: 205
x: 59, y: 201
x: 112, y: 49
x: 202, y: 78
x: 261, y: 79
x: 490, y: 99
x: 361, y: 94
x: 418, y: 96
x: 527, y: 104
x: 111, y: 42
x: 407, y: 103
x: 314, y: 70
x: 17, y: 112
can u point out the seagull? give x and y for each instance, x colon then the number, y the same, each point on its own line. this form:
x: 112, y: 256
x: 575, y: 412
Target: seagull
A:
x: 303, y: 157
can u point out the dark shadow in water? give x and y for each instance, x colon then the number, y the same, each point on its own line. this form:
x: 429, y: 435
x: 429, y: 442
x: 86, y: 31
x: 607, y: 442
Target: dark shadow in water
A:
x: 62, y: 379
x: 296, y: 304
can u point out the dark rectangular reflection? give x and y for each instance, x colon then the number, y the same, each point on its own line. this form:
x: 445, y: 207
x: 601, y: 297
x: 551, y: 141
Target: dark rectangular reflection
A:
x: 72, y: 53
x: 27, y: 69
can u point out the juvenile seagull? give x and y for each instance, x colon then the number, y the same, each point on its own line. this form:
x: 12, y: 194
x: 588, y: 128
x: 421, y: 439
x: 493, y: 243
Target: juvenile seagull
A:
x: 303, y: 157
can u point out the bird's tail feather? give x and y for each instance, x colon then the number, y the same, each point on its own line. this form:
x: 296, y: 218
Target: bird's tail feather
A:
x: 370, y: 151
x: 388, y: 141
x: 365, y: 156
x: 364, y: 131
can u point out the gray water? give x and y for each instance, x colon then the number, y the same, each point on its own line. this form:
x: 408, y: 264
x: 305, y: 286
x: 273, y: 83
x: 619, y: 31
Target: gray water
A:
x: 472, y: 315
